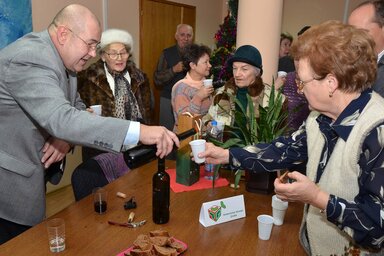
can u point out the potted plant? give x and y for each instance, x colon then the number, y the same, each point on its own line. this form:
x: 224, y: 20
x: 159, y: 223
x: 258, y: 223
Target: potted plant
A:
x: 248, y: 130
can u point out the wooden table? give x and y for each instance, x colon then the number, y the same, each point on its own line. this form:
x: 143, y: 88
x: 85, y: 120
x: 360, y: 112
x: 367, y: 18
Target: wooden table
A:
x: 88, y: 233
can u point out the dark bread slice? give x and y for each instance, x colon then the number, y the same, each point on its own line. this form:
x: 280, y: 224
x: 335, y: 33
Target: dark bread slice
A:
x: 180, y: 247
x: 142, y: 242
x: 142, y: 245
x: 139, y: 252
x: 142, y: 237
x: 165, y: 251
x: 159, y: 232
x: 159, y: 240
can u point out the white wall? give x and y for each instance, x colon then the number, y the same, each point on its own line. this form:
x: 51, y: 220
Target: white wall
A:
x: 299, y: 13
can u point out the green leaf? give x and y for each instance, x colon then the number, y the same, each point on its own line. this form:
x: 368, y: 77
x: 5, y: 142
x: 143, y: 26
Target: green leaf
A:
x: 238, y: 174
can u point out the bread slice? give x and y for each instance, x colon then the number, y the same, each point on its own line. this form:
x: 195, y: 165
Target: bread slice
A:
x: 165, y: 251
x: 159, y: 240
x: 159, y: 232
x: 139, y: 252
x: 180, y: 247
x: 142, y: 245
x: 142, y: 242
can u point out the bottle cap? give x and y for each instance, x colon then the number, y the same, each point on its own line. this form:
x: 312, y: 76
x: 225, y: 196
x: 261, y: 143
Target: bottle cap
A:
x: 213, y: 122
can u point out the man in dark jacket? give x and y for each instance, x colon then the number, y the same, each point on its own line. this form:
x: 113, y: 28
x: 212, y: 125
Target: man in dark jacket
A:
x: 369, y: 15
x: 170, y: 70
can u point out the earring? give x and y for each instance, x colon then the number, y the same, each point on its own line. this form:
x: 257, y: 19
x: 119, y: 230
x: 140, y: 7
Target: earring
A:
x: 330, y: 94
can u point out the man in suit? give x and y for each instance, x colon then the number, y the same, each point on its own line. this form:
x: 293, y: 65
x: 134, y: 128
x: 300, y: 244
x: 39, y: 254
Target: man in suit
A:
x: 41, y: 114
x: 170, y: 70
x: 369, y: 15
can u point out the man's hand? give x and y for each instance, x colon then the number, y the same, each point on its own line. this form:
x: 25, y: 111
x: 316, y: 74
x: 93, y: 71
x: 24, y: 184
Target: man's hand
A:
x: 159, y: 135
x: 54, y: 151
x: 178, y: 67
x: 90, y: 110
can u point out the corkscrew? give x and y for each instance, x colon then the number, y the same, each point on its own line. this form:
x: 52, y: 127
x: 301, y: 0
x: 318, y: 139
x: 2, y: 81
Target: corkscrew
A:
x: 128, y: 225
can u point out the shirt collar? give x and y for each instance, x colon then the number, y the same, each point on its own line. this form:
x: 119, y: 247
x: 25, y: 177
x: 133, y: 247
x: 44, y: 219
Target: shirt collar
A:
x: 380, y: 55
x: 347, y: 119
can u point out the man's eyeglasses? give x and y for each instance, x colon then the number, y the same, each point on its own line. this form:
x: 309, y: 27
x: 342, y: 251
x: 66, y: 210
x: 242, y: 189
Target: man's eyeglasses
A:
x: 300, y: 83
x: 114, y: 55
x: 91, y: 46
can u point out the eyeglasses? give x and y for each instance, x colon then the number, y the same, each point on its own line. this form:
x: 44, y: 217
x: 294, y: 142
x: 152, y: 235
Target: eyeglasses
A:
x: 91, y: 46
x: 300, y: 83
x: 114, y: 55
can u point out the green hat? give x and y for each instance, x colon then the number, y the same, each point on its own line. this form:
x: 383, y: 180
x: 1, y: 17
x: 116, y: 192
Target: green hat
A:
x: 247, y: 54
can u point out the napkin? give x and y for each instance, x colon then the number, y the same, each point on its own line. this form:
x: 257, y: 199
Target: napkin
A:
x: 201, y: 184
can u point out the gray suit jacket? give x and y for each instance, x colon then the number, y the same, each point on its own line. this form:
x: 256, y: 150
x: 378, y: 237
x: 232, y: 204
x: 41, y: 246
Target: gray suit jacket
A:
x: 39, y: 100
x: 378, y: 86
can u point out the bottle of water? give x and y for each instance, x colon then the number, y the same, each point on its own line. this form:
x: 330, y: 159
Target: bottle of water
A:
x: 216, y: 133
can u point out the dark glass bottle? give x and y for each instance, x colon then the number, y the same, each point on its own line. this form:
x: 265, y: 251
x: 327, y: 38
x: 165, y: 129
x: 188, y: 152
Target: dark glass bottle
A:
x: 161, y: 193
x: 161, y: 187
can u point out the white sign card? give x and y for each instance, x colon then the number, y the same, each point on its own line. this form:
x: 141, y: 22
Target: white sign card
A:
x: 222, y: 210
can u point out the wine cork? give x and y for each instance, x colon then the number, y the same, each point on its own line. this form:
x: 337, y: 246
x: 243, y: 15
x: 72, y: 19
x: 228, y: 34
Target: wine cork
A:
x: 130, y: 217
x: 120, y: 194
x: 283, y: 178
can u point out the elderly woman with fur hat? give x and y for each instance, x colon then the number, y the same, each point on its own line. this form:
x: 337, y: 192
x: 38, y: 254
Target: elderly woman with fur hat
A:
x: 247, y: 69
x: 124, y: 92
x: 115, y: 82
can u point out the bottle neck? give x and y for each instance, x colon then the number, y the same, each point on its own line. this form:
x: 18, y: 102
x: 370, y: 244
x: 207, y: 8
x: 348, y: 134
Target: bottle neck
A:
x: 161, y: 165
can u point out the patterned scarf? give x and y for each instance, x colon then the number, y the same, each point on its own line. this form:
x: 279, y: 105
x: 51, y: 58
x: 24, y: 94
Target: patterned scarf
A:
x: 126, y: 106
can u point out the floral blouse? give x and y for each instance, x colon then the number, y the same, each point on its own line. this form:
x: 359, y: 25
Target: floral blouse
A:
x: 364, y: 215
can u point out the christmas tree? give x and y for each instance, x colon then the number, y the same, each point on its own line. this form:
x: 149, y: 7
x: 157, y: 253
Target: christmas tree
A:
x: 225, y: 40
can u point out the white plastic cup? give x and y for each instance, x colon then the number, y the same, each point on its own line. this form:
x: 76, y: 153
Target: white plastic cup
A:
x: 96, y: 109
x: 208, y: 82
x: 198, y: 146
x: 279, y: 208
x: 265, y: 226
x: 56, y: 234
x: 281, y: 73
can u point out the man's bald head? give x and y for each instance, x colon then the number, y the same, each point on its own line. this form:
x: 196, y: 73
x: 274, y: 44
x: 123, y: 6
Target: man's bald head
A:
x: 76, y: 16
x: 75, y: 32
x: 184, y: 35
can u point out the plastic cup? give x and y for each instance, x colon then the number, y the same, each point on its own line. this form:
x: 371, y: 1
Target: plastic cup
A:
x: 198, y: 146
x: 265, y: 226
x: 279, y: 208
x: 281, y: 73
x: 100, y: 200
x: 96, y: 109
x: 56, y: 234
x: 207, y: 82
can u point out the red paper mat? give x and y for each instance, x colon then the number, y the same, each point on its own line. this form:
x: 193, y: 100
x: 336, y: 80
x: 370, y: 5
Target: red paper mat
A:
x: 201, y: 184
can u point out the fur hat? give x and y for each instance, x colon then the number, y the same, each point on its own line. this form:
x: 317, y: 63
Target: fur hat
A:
x: 110, y: 36
x: 247, y: 54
